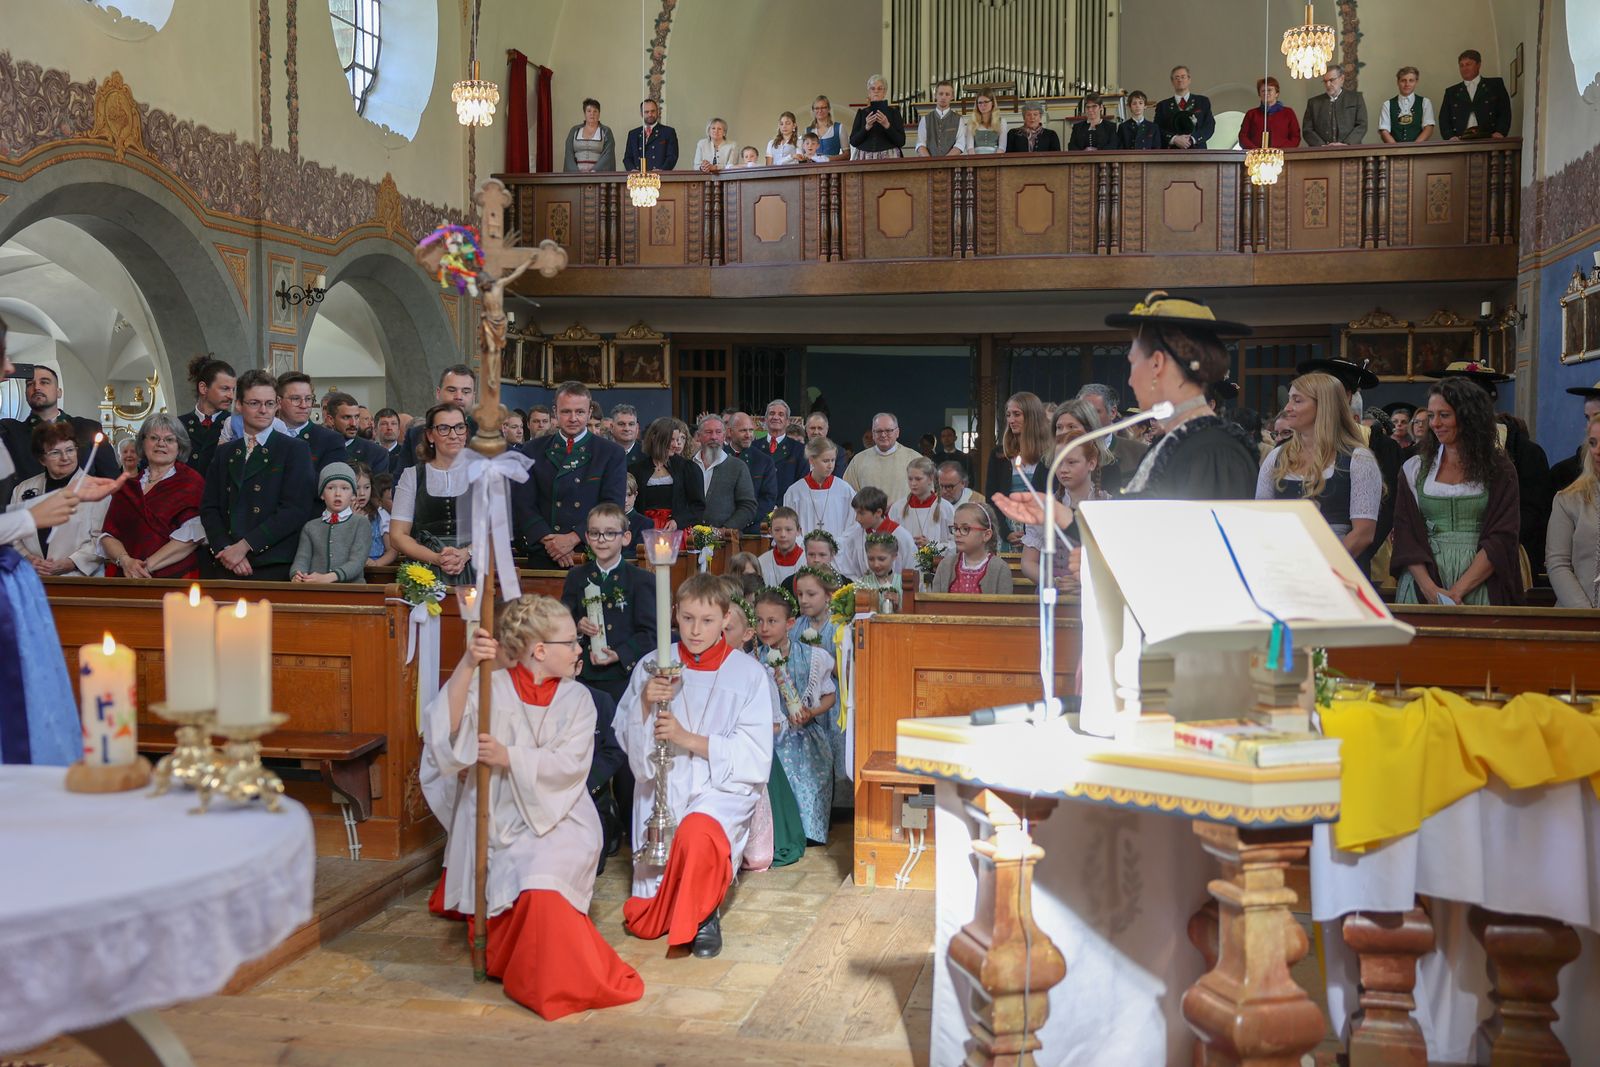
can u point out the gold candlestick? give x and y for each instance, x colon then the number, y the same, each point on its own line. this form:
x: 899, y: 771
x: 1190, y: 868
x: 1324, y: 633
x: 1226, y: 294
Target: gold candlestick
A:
x: 192, y: 756
x: 238, y: 774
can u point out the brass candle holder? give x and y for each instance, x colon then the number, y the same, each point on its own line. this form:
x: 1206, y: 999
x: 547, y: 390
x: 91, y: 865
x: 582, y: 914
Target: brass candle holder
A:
x: 238, y: 774
x: 192, y: 756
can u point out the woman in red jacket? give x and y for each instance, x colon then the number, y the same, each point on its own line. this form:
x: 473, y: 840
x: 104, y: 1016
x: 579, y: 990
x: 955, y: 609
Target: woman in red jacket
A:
x: 1279, y: 120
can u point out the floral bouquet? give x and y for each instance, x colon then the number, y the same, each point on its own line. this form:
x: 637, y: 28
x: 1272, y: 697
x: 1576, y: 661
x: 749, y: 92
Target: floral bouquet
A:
x: 928, y: 558
x: 419, y: 585
x: 703, y: 541
x: 842, y: 606
x: 779, y: 664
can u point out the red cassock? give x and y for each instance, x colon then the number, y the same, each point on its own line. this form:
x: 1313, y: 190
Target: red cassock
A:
x: 145, y: 521
x: 549, y: 956
x: 699, y: 868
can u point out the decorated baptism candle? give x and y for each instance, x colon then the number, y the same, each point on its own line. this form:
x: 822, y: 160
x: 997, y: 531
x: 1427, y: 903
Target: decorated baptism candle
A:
x: 244, y: 650
x: 595, y: 611
x: 189, y: 634
x: 107, y: 701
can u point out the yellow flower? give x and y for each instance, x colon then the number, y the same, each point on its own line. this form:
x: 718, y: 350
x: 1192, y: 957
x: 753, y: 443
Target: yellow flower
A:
x: 434, y: 608
x: 702, y: 529
x: 419, y: 574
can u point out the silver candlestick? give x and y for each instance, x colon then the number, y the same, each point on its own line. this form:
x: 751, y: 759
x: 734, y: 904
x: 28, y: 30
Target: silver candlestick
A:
x: 658, y: 829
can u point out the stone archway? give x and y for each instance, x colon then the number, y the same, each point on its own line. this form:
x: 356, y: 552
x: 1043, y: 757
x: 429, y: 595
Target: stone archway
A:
x: 162, y: 244
x: 418, y: 338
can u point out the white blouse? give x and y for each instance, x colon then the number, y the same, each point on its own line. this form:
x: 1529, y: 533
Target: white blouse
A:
x: 1434, y: 487
x: 1366, y: 482
x: 781, y: 153
x: 451, y: 481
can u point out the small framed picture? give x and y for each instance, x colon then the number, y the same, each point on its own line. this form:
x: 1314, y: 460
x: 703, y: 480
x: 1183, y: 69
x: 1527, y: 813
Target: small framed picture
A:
x: 575, y: 355
x: 1441, y: 339
x: 640, y: 358
x: 1381, y: 343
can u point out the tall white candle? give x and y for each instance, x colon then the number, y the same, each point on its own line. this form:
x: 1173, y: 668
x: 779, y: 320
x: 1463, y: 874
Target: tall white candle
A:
x: 662, y: 561
x: 190, y: 639
x: 244, y: 648
x: 107, y: 701
x: 1486, y: 309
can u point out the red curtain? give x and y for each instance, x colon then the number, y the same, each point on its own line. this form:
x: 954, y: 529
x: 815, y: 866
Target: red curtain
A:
x: 541, y: 118
x: 517, y: 112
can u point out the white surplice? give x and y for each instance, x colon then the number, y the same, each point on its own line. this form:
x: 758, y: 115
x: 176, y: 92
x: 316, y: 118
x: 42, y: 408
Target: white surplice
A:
x: 823, y: 509
x: 734, y: 707
x: 544, y: 830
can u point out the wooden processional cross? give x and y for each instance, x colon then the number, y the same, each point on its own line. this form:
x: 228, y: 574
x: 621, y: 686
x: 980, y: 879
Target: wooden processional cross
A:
x: 502, y: 264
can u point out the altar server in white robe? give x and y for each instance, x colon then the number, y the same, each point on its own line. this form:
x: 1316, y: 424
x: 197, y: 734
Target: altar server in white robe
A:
x: 720, y: 726
x: 544, y: 837
x: 821, y: 500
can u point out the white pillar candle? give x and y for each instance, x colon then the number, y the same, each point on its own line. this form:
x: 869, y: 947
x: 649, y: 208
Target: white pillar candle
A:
x: 190, y: 640
x: 661, y: 559
x: 244, y: 651
x: 107, y: 700
x: 1486, y: 309
x: 595, y: 612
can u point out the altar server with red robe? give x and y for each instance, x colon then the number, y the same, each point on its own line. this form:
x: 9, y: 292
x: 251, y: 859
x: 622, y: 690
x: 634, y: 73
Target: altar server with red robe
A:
x: 719, y: 724
x: 544, y: 838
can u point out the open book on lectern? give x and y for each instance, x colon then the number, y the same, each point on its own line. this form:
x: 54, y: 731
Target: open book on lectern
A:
x: 1196, y: 609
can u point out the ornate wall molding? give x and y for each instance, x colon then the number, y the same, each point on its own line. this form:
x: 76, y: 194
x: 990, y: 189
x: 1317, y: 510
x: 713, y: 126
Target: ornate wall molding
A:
x: 42, y: 108
x: 1562, y: 206
x: 291, y: 74
x: 1350, y: 42
x: 656, y: 79
x: 264, y: 29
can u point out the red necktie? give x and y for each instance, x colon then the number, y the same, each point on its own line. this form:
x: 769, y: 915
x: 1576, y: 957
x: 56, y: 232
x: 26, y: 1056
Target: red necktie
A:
x: 569, y: 443
x: 207, y: 422
x: 772, y: 446
x: 333, y: 520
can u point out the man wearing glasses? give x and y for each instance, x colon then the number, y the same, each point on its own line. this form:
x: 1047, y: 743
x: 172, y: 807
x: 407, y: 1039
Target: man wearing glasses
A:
x: 884, y: 464
x: 260, y: 491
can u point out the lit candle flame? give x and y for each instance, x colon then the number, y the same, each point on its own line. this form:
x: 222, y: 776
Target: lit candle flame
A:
x: 194, y: 595
x: 472, y: 597
x: 99, y: 437
x: 239, y: 609
x: 108, y: 646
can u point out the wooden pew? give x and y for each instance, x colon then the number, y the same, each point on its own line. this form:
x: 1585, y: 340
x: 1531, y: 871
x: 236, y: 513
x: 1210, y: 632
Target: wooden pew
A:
x: 338, y: 669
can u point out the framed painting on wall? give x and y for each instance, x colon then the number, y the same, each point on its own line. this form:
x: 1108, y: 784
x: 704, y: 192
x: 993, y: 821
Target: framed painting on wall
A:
x: 640, y: 358
x: 280, y: 276
x: 1441, y: 339
x: 1380, y: 342
x: 575, y: 355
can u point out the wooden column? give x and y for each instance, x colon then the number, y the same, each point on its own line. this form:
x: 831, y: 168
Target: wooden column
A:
x: 1526, y: 954
x: 986, y: 404
x: 1247, y: 1010
x: 1011, y: 961
x: 1388, y: 945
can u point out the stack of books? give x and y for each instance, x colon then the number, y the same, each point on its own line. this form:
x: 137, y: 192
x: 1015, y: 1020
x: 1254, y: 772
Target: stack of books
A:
x: 1246, y: 741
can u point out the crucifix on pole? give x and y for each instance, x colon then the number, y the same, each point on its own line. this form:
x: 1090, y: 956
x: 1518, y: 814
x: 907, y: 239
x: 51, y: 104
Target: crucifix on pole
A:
x: 482, y: 265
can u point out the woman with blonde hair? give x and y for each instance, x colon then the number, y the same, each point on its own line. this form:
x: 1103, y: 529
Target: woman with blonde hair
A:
x: 1326, y: 460
x: 1027, y: 438
x: 985, y: 129
x: 544, y: 837
x: 714, y: 152
x: 1572, y: 542
x: 830, y: 134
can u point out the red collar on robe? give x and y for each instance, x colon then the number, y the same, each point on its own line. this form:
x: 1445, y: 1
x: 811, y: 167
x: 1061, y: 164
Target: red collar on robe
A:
x: 925, y: 502
x: 789, y: 558
x: 709, y: 660
x: 812, y: 482
x: 531, y: 691
x: 887, y: 526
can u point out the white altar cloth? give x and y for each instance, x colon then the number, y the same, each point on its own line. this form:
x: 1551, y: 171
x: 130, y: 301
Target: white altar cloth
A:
x: 116, y: 903
x: 1528, y: 852
x: 1114, y: 893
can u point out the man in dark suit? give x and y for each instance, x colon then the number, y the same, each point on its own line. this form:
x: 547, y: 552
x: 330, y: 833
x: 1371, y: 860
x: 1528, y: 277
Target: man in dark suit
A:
x: 625, y: 431
x: 1139, y: 131
x: 788, y: 454
x: 345, y: 412
x: 947, y: 450
x: 1566, y: 471
x: 458, y: 385
x: 44, y: 404
x: 1032, y: 136
x: 259, y: 492
x: 653, y: 142
x: 388, y: 436
x: 1475, y: 106
x: 1336, y: 117
x: 1184, y: 118
x: 763, y: 472
x: 573, y: 470
x: 213, y: 382
x: 296, y: 398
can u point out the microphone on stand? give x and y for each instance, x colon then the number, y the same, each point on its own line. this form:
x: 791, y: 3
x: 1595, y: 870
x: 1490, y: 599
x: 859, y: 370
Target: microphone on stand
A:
x: 1047, y: 589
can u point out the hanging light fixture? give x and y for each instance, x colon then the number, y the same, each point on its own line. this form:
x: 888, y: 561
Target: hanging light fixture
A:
x: 644, y: 187
x: 1264, y: 164
x: 475, y: 98
x: 1308, y: 49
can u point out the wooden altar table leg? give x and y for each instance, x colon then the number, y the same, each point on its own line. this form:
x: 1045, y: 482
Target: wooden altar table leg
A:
x: 1387, y: 944
x: 1203, y: 934
x: 1526, y: 954
x: 137, y: 1040
x: 1011, y: 961
x: 1247, y: 1011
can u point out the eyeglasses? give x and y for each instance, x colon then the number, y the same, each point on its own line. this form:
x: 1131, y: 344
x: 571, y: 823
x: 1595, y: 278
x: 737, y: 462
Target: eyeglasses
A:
x: 165, y: 439
x: 885, y: 432
x: 573, y: 641
x: 70, y: 452
x: 605, y: 535
x: 259, y: 405
x: 458, y: 429
x: 963, y: 529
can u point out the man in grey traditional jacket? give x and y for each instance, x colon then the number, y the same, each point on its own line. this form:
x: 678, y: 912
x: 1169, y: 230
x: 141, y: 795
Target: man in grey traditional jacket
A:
x: 1336, y: 117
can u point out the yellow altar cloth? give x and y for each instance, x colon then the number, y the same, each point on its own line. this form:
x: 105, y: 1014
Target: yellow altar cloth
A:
x: 1403, y: 764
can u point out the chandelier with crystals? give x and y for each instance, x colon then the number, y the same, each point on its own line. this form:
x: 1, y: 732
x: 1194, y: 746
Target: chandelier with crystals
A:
x: 644, y: 187
x: 1308, y: 49
x: 475, y: 98
x: 1264, y: 164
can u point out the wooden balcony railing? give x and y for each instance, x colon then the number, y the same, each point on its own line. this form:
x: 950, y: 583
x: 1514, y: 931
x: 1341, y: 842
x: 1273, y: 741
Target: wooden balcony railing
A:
x: 1383, y: 213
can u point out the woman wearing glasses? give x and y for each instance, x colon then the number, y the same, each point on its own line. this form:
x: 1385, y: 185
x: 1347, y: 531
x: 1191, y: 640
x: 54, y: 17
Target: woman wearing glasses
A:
x: 153, y: 523
x: 70, y: 547
x: 431, y: 508
x: 830, y: 134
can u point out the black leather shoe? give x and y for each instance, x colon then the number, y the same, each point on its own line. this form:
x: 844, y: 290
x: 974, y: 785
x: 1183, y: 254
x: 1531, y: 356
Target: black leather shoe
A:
x: 708, y: 939
x: 610, y: 823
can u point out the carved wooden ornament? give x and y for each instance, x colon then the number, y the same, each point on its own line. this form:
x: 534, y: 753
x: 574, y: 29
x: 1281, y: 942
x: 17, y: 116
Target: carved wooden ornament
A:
x: 116, y: 116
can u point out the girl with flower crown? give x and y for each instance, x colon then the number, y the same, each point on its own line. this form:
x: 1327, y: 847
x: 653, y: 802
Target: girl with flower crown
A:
x: 804, y: 676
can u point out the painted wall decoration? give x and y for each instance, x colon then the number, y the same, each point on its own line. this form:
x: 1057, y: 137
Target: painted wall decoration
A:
x: 656, y: 79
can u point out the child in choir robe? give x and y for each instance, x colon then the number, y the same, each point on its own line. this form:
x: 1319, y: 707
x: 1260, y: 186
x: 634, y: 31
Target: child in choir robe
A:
x: 822, y: 501
x: 803, y: 675
x: 924, y: 514
x: 718, y: 720
x: 786, y: 555
x: 871, y: 506
x: 882, y: 576
x: 333, y: 547
x: 544, y: 838
x: 974, y: 567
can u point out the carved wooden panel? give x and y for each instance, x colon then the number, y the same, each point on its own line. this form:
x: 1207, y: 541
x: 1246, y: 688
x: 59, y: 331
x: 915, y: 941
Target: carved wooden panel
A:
x: 1133, y: 207
x: 1314, y: 206
x: 940, y: 234
x: 988, y: 212
x: 1400, y: 214
x: 662, y: 239
x: 1436, y: 203
x: 1036, y: 208
x: 1350, y: 203
x: 558, y: 222
x: 895, y: 214
x: 1184, y: 204
x: 1080, y: 209
x: 557, y: 211
x: 770, y: 218
x: 1033, y: 213
x: 1182, y: 207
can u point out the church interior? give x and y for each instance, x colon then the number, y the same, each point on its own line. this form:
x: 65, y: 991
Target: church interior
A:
x: 381, y: 197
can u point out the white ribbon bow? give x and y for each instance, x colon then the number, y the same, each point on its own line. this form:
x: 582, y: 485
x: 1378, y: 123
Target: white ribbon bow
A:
x: 491, y: 515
